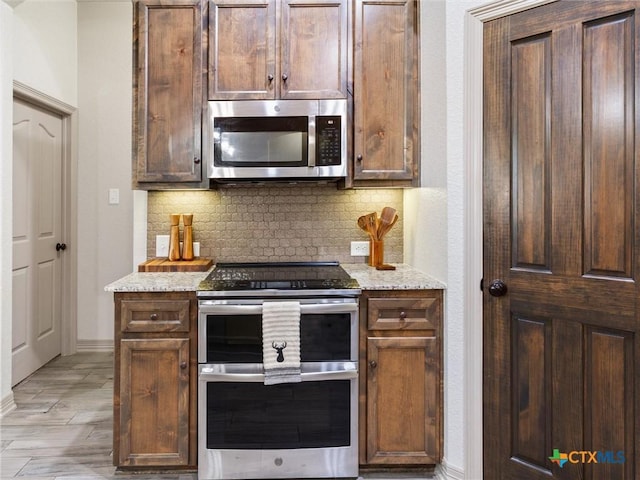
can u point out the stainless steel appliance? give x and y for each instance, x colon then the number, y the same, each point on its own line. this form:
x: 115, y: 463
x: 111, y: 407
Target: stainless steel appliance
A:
x: 291, y: 430
x: 276, y: 140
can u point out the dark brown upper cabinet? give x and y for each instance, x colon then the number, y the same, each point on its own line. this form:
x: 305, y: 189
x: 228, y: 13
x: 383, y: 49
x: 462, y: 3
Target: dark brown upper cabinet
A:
x: 386, y: 96
x: 278, y: 49
x: 169, y: 73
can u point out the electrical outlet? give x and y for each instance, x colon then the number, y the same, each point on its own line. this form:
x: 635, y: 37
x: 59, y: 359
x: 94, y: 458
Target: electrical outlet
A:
x: 196, y: 248
x: 359, y: 249
x: 162, y: 245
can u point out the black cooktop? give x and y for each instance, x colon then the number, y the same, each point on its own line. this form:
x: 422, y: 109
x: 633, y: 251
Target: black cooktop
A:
x: 278, y: 276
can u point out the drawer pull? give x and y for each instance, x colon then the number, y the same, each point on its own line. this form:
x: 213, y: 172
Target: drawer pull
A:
x: 183, y: 365
x: 373, y: 364
x: 153, y: 316
x: 403, y: 315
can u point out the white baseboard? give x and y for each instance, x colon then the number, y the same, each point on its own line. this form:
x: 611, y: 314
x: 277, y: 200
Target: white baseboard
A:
x: 84, y: 346
x: 7, y: 405
x: 449, y: 472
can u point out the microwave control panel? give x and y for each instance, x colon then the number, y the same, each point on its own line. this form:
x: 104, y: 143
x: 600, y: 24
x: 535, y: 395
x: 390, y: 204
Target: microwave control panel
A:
x: 328, y: 144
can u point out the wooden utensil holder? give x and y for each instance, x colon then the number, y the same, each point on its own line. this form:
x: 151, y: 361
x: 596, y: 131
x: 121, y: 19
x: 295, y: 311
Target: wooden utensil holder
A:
x: 376, y: 252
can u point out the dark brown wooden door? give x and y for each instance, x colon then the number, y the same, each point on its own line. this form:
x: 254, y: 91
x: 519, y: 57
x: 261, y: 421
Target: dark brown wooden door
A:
x: 562, y: 232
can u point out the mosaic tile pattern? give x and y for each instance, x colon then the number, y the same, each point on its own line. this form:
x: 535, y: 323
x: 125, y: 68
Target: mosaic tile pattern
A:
x: 276, y: 223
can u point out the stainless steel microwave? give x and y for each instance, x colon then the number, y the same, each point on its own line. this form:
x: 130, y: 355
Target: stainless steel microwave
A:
x: 276, y: 140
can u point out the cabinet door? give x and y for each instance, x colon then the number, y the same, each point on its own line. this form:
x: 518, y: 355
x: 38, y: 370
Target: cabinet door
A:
x: 314, y: 49
x: 402, y: 400
x: 386, y: 96
x: 168, y: 95
x: 154, y: 402
x: 242, y: 49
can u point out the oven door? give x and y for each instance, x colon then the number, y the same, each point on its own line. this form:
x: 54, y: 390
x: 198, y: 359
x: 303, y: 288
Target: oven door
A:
x: 230, y: 330
x: 290, y: 430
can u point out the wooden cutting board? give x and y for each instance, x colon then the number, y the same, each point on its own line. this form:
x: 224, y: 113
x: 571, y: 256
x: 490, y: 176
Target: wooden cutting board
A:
x: 163, y: 264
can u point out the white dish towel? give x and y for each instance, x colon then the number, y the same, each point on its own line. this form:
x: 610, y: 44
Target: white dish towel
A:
x: 281, y: 342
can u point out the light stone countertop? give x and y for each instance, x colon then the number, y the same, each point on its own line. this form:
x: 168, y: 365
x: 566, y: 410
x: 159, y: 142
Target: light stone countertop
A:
x: 404, y: 277
x: 158, y: 282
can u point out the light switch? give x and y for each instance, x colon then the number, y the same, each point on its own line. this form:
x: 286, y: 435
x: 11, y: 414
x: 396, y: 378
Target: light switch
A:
x: 114, y: 196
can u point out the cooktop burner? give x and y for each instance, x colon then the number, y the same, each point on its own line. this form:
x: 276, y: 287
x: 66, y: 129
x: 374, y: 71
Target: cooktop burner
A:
x: 227, y: 277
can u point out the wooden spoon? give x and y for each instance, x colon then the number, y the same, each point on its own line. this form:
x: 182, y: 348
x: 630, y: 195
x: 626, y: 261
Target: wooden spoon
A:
x: 362, y: 223
x: 371, y: 221
x: 388, y: 213
x: 386, y: 224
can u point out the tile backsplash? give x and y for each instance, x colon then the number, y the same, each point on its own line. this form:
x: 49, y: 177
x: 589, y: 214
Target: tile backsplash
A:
x: 276, y: 223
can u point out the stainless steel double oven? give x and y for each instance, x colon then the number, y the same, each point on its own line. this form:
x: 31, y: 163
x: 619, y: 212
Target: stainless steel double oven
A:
x: 251, y: 430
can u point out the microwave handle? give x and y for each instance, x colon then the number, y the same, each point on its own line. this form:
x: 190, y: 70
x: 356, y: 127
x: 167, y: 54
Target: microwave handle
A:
x: 257, y: 309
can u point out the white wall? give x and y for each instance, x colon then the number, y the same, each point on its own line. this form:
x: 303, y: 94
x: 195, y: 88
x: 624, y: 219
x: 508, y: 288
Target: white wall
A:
x: 39, y: 49
x: 45, y: 48
x: 105, y: 231
x: 435, y: 230
x: 80, y: 54
x: 6, y: 80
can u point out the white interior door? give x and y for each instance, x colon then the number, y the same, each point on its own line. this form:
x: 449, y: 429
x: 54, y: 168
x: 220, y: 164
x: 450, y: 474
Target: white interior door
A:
x: 37, y: 231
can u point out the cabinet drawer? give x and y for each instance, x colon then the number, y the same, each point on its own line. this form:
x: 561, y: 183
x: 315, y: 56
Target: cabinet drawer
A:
x: 404, y: 313
x: 154, y: 315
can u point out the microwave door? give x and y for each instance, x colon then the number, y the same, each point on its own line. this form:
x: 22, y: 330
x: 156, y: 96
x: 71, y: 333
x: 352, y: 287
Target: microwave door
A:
x: 261, y: 142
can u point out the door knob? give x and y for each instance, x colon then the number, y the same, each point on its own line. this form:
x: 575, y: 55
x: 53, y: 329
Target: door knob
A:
x: 61, y: 246
x: 498, y: 288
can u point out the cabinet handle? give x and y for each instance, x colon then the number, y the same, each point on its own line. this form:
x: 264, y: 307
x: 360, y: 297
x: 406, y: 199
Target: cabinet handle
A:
x: 284, y: 77
x: 196, y: 160
x: 403, y: 315
x: 153, y: 316
x: 270, y: 78
x: 183, y: 365
x: 373, y: 364
x: 359, y: 158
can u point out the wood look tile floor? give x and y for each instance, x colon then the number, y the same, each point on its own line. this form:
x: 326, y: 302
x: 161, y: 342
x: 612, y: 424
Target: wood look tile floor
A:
x: 62, y: 427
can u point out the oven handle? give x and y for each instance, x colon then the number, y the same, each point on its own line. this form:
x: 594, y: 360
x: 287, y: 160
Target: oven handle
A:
x: 209, y: 307
x: 347, y: 371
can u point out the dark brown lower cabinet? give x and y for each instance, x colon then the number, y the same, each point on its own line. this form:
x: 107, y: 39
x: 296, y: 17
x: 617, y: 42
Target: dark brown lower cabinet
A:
x: 400, y: 378
x: 155, y: 381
